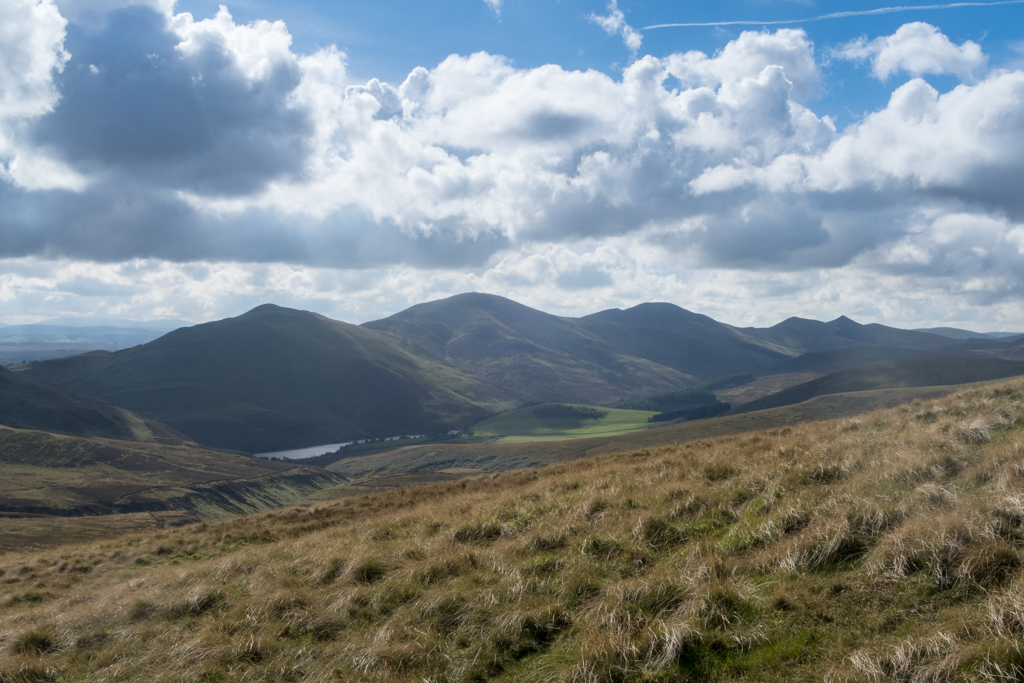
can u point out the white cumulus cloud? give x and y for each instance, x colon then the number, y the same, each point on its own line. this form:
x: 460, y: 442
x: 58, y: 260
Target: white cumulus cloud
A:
x: 31, y: 51
x: 208, y: 159
x: 748, y: 55
x: 31, y: 54
x: 918, y: 49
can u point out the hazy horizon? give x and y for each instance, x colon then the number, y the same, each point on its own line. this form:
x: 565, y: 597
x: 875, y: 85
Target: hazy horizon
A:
x: 81, y: 321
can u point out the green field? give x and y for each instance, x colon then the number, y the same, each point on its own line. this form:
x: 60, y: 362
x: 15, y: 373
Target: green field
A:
x: 532, y: 424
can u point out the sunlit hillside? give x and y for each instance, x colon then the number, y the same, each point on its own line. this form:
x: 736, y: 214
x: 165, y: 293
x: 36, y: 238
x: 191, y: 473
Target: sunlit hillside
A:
x: 886, y: 547
x: 551, y: 421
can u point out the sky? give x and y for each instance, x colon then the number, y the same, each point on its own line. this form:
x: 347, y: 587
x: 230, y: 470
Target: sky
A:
x: 751, y: 160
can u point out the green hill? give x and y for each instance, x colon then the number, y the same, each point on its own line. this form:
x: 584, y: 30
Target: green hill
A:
x: 553, y: 421
x: 1008, y: 350
x: 276, y: 378
x: 837, y: 360
x: 30, y: 404
x: 535, y: 355
x: 799, y: 335
x: 693, y: 344
x: 892, y: 374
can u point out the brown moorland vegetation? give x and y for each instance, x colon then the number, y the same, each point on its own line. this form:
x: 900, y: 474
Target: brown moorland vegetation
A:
x: 886, y: 547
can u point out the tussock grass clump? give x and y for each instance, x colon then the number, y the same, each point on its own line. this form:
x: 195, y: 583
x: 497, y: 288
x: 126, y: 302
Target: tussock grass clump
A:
x: 887, y: 548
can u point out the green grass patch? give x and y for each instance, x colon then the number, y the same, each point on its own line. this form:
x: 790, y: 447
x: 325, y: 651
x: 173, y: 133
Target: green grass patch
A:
x: 554, y: 421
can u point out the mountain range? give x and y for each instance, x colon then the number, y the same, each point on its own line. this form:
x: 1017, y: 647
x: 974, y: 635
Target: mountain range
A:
x: 277, y: 378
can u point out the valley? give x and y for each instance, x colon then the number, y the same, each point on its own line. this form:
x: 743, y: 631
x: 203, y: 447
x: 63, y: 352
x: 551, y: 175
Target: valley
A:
x: 277, y: 379
x: 635, y: 496
x: 483, y: 384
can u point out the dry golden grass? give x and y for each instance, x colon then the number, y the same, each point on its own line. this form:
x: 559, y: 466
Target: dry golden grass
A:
x: 883, y: 548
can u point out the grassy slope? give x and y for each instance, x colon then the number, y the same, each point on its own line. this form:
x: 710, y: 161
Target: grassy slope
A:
x: 277, y: 378
x: 884, y: 548
x: 892, y: 374
x: 835, y: 360
x: 391, y: 468
x: 523, y: 425
x: 1013, y: 350
x: 30, y: 531
x: 763, y: 386
x: 28, y: 404
x: 63, y: 475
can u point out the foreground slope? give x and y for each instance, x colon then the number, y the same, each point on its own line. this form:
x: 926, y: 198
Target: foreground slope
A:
x: 272, y: 379
x: 885, y: 548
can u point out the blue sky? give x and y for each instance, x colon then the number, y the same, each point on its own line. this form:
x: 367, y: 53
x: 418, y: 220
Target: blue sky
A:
x: 387, y: 39
x: 178, y: 160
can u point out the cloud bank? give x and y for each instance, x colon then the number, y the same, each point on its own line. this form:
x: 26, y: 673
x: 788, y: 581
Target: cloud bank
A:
x: 209, y: 158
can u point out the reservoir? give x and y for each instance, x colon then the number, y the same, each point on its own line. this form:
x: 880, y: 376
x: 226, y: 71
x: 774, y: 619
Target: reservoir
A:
x: 310, y: 452
x: 313, y: 451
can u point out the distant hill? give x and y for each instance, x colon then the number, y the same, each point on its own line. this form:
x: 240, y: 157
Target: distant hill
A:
x: 956, y: 333
x: 835, y: 360
x: 801, y: 336
x: 276, y: 378
x: 688, y: 342
x: 891, y: 375
x: 29, y: 404
x: 535, y: 355
x: 1006, y: 348
x: 272, y: 379
x: 600, y: 358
